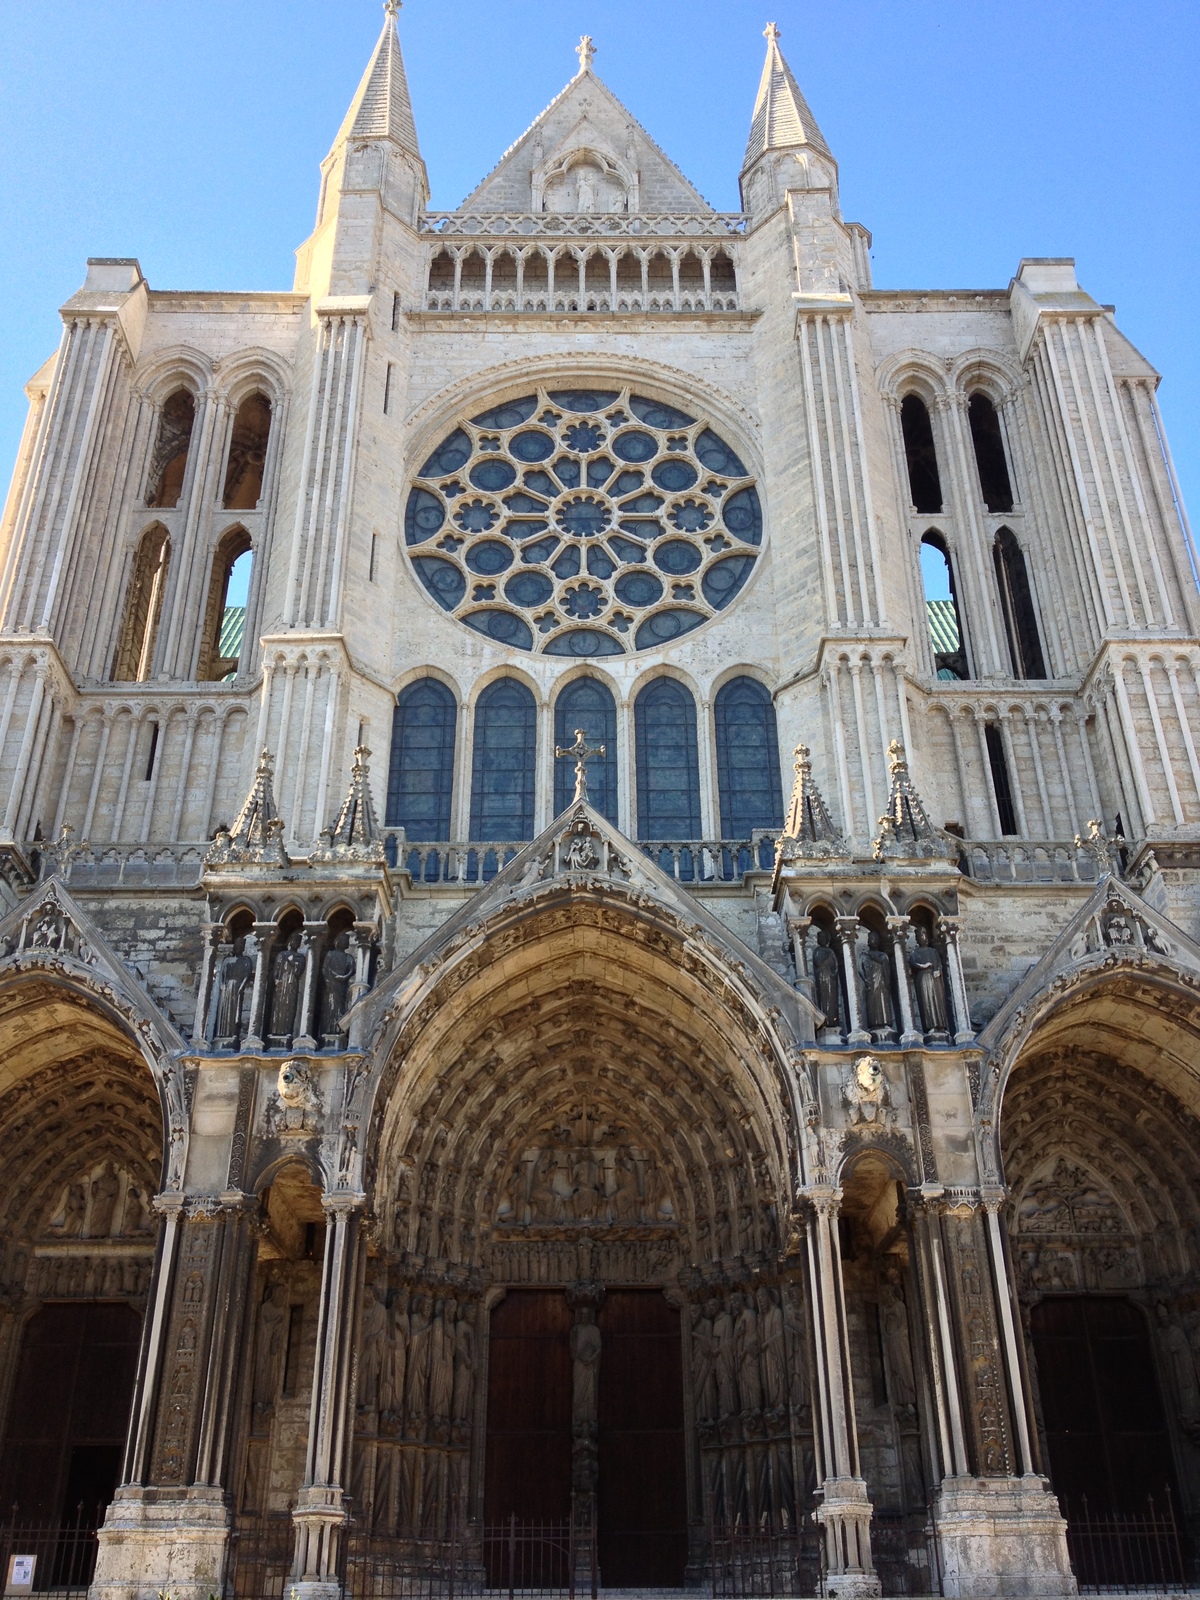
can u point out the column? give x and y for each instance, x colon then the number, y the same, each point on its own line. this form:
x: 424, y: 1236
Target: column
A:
x: 263, y: 938
x: 949, y: 928
x: 846, y: 933
x: 204, y: 1025
x: 798, y: 931
x: 362, y: 938
x: 320, y: 1513
x: 314, y: 949
x: 898, y: 927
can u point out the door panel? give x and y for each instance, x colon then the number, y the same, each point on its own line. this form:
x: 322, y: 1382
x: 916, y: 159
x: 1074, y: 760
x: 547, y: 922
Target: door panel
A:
x: 528, y: 1471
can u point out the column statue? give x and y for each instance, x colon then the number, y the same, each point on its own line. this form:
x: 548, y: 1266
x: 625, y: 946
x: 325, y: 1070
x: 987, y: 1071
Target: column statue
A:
x: 877, y: 983
x: 929, y: 980
x: 585, y: 1367
x: 825, y: 975
x: 287, y: 983
x: 235, y: 973
x: 337, y: 971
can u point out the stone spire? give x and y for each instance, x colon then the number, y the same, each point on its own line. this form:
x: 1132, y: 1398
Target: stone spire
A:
x: 381, y: 108
x: 353, y: 836
x: 257, y: 835
x: 905, y: 831
x: 808, y: 829
x: 782, y: 120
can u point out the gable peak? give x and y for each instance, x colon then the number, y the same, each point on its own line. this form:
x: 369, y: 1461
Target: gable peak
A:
x: 782, y: 119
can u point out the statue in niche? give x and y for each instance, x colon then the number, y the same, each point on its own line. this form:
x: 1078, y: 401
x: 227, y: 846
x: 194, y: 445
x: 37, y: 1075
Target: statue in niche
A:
x: 876, y: 968
x: 581, y: 854
x: 825, y: 978
x: 585, y: 193
x: 725, y: 1361
x: 929, y: 980
x: 136, y: 1217
x: 543, y: 1198
x: 704, y: 1372
x: 724, y: 1234
x: 417, y: 1382
x: 588, y: 1184
x: 774, y: 1349
x: 372, y: 1347
x: 1183, y: 1364
x: 287, y: 988
x: 235, y: 973
x: 337, y: 971
x: 865, y: 1092
x: 75, y: 1210
x: 106, y: 1185
x: 624, y: 1205
x: 749, y: 1354
x: 893, y: 1325
x: 585, y: 1367
x: 272, y: 1314
x: 464, y: 1362
x: 1117, y: 930
x: 441, y: 1359
x: 400, y: 1333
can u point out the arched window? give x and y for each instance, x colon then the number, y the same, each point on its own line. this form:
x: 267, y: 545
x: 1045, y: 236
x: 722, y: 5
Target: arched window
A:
x: 225, y: 613
x: 941, y: 609
x: 169, y: 462
x: 502, y: 762
x: 668, y: 771
x: 747, y: 759
x: 421, y: 772
x: 587, y: 704
x: 924, y: 484
x: 994, y: 482
x: 143, y: 607
x: 247, y: 453
x: 1016, y: 599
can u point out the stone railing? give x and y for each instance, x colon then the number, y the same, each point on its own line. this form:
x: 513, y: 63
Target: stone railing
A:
x: 704, y: 861
x: 472, y: 863
x: 585, y: 225
x: 499, y: 300
x: 131, y: 866
x: 1034, y: 861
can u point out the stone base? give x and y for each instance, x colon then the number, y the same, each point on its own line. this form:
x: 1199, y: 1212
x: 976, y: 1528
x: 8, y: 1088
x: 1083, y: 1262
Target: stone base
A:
x: 1001, y: 1536
x: 844, y: 1512
x: 157, y: 1543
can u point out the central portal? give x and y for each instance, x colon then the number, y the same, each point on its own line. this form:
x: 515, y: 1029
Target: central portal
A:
x: 558, y: 1419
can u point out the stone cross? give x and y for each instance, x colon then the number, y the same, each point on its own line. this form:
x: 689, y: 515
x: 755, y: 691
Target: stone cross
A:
x: 391, y: 7
x: 586, y: 51
x: 771, y: 32
x: 582, y: 755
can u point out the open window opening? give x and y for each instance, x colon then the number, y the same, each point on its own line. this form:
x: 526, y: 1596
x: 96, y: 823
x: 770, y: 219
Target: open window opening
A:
x: 1016, y: 601
x: 941, y: 610
x: 994, y: 482
x: 143, y: 608
x: 247, y: 453
x: 1001, y: 782
x: 225, y: 615
x: 924, y: 481
x: 169, y: 461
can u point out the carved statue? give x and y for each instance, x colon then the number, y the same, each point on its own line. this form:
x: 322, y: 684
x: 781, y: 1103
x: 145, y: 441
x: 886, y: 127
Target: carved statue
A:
x: 624, y: 1205
x: 441, y: 1359
x: 581, y: 854
x: 400, y: 1330
x: 825, y: 977
x: 774, y: 1349
x: 893, y: 1319
x: 298, y: 1098
x: 105, y: 1188
x: 585, y: 194
x: 287, y: 988
x: 876, y: 968
x: 272, y: 1314
x: 585, y: 1366
x: 588, y: 1176
x: 75, y: 1211
x: 865, y: 1092
x: 725, y: 1361
x: 372, y: 1347
x: 1118, y: 931
x: 337, y: 971
x: 236, y: 971
x: 929, y: 980
x: 1183, y: 1364
x: 704, y: 1373
x: 749, y: 1353
x: 419, y: 1354
x: 136, y: 1217
x: 464, y: 1362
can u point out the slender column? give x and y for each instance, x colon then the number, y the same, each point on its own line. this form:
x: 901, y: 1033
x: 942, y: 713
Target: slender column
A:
x: 846, y: 933
x: 202, y: 1027
x: 320, y: 1513
x: 32, y: 717
x: 1160, y: 740
x: 136, y: 1469
x: 77, y: 724
x: 798, y: 930
x: 1014, y: 772
x: 264, y: 938
x: 1073, y: 819
x: 864, y: 746
x: 923, y: 1203
x: 989, y: 786
x: 185, y: 767
x: 106, y: 722
x: 363, y: 936
x: 898, y: 928
x: 1029, y: 712
x: 314, y: 945
x: 1018, y: 1398
x: 1129, y: 734
x: 1181, y: 717
x: 949, y: 928
x: 135, y: 727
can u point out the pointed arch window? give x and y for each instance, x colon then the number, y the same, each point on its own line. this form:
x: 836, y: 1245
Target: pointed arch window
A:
x: 247, y: 453
x: 169, y: 461
x: 421, y: 771
x: 747, y: 759
x: 143, y: 607
x: 502, y: 762
x: 225, y: 614
x: 668, y: 770
x: 924, y: 480
x: 586, y: 703
x: 942, y: 615
x: 1016, y: 601
x: 994, y: 482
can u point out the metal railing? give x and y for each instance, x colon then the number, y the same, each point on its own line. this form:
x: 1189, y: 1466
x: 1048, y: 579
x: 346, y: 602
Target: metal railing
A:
x: 905, y: 1553
x: 58, y: 1558
x: 1114, y: 1552
x: 764, y: 1559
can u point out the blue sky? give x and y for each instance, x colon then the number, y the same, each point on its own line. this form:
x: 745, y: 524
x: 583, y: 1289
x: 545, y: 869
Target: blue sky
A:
x: 968, y: 135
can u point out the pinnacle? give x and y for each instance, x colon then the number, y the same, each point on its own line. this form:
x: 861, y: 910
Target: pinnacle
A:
x: 782, y: 119
x: 381, y: 108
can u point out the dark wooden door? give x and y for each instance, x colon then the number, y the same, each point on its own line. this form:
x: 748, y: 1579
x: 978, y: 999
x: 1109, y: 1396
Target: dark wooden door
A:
x: 1105, y: 1429
x: 641, y: 1495
x: 70, y: 1410
x: 528, y: 1472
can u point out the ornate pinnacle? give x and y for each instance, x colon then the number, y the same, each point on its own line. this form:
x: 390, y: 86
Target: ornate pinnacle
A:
x: 392, y: 7
x: 586, y: 51
x: 582, y: 755
x: 771, y: 32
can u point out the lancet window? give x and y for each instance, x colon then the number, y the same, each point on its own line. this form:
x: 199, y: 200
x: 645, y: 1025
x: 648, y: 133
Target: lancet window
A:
x: 143, y: 607
x: 247, y: 453
x: 668, y: 771
x: 924, y: 481
x: 421, y: 774
x: 586, y: 703
x: 994, y: 482
x: 169, y: 461
x: 747, y: 759
x: 502, y: 767
x: 1016, y: 601
x: 225, y: 614
x: 1001, y: 780
x: 943, y: 619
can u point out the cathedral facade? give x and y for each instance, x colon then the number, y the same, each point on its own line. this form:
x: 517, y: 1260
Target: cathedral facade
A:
x: 600, y: 874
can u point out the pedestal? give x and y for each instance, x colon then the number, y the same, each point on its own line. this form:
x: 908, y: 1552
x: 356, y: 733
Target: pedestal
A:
x: 1001, y: 1536
x: 844, y: 1512
x: 157, y: 1542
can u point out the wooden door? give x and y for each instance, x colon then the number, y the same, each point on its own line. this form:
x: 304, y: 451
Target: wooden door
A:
x: 528, y: 1471
x: 642, y: 1494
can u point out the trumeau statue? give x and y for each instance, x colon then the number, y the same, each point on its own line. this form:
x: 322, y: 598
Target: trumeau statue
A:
x: 585, y: 1367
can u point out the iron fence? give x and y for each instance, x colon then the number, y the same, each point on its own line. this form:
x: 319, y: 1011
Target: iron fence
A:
x: 766, y: 1560
x: 1118, y: 1551
x: 260, y: 1557
x: 57, y: 1558
x: 904, y: 1553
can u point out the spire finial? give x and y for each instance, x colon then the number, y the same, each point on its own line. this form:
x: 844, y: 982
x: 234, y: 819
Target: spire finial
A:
x: 582, y: 755
x: 771, y: 33
x: 391, y: 8
x: 586, y: 51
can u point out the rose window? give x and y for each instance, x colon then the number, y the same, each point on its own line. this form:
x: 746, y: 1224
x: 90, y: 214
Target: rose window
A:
x: 583, y: 522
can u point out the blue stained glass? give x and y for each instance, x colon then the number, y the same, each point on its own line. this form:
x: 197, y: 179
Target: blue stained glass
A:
x: 421, y: 769
x: 599, y: 472
x: 475, y: 516
x: 567, y: 565
x: 542, y: 550
x: 523, y: 530
x: 635, y: 446
x: 747, y: 759
x: 502, y: 761
x: 584, y: 518
x: 743, y: 515
x: 584, y: 437
x: 668, y: 770
x: 583, y: 642
x: 423, y: 516
x: 567, y: 472
x: 638, y: 588
x: 655, y: 415
x: 528, y: 589
x: 677, y: 557
x: 531, y: 446
x: 582, y: 399
x: 443, y: 580
x: 586, y: 703
x: 673, y: 476
x: 724, y: 578
x: 599, y: 563
x: 449, y: 456
x: 489, y: 558
x: 664, y: 626
x: 524, y: 503
x: 509, y: 415
x: 503, y: 627
x: 493, y: 475
x: 691, y: 517
x: 643, y: 503
x: 717, y: 456
x: 643, y: 530
x: 627, y: 483
x: 625, y: 549
x: 541, y: 483
x: 584, y: 602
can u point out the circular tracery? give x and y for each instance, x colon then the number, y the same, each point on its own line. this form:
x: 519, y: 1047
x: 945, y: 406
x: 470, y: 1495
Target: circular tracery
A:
x: 583, y: 522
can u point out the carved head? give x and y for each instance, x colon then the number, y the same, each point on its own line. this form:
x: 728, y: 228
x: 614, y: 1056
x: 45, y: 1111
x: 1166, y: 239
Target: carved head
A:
x: 295, y: 1086
x: 294, y: 942
x: 342, y: 942
x: 868, y: 1074
x: 922, y: 934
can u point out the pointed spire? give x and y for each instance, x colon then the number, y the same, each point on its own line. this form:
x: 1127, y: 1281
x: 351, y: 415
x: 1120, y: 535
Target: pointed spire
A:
x: 257, y: 835
x: 381, y: 108
x: 353, y: 836
x: 905, y: 831
x: 781, y: 118
x: 808, y: 829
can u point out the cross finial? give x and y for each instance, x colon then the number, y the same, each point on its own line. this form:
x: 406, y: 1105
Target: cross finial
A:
x: 392, y: 7
x: 771, y: 32
x: 582, y: 755
x: 586, y: 51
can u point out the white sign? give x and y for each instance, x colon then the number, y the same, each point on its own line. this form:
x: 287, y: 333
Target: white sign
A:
x: 20, y: 1575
